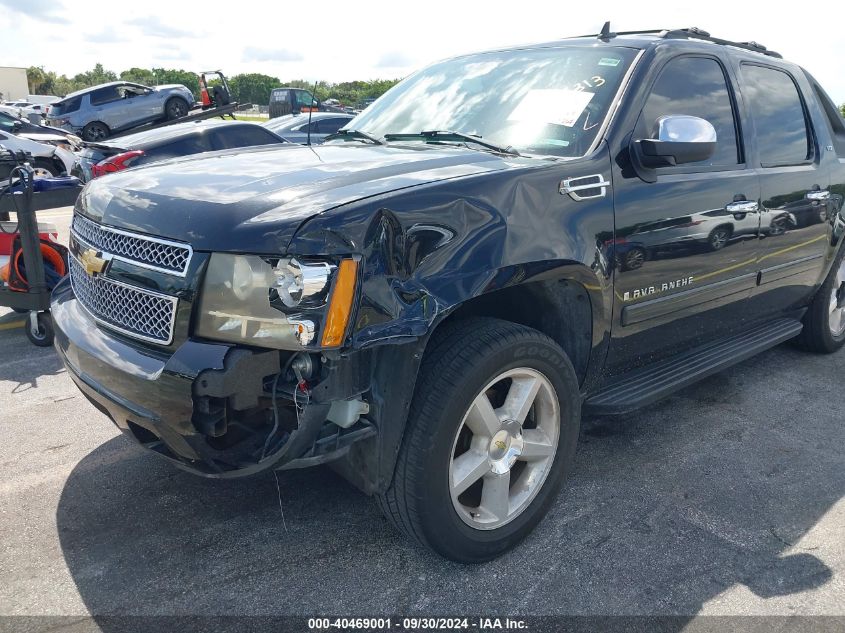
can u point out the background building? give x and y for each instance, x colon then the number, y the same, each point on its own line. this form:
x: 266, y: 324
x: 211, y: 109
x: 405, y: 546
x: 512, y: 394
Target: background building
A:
x: 13, y: 84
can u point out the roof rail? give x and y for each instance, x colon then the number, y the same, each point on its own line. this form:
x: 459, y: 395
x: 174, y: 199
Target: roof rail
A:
x: 698, y: 34
x: 686, y: 34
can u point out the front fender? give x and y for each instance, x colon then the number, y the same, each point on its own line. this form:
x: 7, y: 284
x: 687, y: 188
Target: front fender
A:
x: 427, y: 249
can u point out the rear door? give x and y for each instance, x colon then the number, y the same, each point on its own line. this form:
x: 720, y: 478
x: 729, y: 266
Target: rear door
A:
x: 684, y: 245
x: 796, y: 221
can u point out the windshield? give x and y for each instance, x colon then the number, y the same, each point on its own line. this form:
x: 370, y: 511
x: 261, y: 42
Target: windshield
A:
x: 540, y: 101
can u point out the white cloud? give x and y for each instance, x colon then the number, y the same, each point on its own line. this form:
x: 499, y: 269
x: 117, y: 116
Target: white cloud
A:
x: 394, y: 59
x: 258, y: 54
x: 154, y: 26
x: 49, y: 11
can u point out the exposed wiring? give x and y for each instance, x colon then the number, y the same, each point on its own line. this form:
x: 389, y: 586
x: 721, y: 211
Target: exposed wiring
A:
x: 276, y: 406
x: 275, y: 419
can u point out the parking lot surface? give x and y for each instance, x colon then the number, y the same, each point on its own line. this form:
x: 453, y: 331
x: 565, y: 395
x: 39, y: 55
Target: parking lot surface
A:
x: 724, y: 499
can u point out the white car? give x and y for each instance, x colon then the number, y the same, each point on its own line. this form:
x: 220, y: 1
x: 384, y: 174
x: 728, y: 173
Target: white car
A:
x: 32, y: 112
x: 47, y: 160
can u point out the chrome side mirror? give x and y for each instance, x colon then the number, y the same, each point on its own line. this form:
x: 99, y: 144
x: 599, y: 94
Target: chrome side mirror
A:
x: 679, y: 139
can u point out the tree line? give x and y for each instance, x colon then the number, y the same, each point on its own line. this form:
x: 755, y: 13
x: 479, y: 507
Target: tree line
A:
x: 246, y: 87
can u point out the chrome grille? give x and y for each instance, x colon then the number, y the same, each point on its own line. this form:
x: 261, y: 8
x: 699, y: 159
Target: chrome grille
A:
x: 149, y: 252
x: 142, y: 314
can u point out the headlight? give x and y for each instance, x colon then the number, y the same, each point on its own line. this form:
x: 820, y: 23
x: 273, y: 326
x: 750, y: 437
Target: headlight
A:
x: 283, y: 305
x: 295, y: 281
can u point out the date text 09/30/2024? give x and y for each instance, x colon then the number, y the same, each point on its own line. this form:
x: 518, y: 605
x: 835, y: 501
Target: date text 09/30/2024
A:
x: 416, y: 624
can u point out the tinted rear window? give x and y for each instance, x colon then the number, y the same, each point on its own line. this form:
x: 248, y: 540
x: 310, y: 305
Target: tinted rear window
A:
x: 184, y: 146
x: 330, y: 126
x: 66, y: 107
x: 242, y: 136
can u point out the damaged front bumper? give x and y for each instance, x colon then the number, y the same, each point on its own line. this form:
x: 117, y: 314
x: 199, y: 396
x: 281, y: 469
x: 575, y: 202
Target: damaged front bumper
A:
x: 214, y: 409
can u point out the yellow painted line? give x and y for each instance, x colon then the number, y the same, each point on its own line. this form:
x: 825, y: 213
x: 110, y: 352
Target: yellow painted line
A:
x: 792, y: 248
x: 724, y: 270
x: 11, y: 325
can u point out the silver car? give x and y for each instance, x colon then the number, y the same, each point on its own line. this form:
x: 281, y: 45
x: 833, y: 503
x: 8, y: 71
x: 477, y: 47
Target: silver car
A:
x: 97, y: 113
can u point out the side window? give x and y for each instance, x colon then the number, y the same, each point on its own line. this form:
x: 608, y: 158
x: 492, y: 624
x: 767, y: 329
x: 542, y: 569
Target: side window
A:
x: 779, y: 120
x: 105, y: 95
x: 303, y: 98
x: 330, y: 126
x: 242, y: 136
x: 184, y: 146
x: 695, y: 86
x: 835, y: 120
x: 7, y: 123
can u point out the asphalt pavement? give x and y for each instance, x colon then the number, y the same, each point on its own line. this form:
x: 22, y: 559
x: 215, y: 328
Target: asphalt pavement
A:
x: 725, y: 499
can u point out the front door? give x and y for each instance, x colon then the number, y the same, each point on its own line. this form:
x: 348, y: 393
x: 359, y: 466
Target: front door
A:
x: 685, y: 245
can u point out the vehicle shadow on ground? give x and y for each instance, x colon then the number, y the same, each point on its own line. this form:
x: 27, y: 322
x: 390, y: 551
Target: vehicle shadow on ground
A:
x: 21, y: 362
x: 666, y: 510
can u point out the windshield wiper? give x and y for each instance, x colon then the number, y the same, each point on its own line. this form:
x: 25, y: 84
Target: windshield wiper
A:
x: 450, y: 135
x: 359, y: 134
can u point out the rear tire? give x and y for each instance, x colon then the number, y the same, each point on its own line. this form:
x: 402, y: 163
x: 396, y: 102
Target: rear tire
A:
x: 95, y: 131
x: 44, y: 168
x: 824, y: 322
x: 718, y: 238
x: 175, y: 108
x: 471, y: 362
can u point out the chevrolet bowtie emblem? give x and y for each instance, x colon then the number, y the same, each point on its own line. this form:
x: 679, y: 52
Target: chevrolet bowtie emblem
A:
x: 93, y: 265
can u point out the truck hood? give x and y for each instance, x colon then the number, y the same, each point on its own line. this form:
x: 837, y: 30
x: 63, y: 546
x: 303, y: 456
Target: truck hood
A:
x: 254, y: 200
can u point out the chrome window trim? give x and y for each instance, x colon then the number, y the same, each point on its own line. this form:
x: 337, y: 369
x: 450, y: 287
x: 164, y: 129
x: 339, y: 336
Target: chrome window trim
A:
x: 617, y: 100
x: 173, y: 300
x: 137, y: 236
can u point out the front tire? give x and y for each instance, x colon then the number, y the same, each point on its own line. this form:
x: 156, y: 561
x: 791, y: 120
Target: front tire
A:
x: 175, y: 108
x: 491, y: 434
x: 633, y: 259
x: 824, y: 322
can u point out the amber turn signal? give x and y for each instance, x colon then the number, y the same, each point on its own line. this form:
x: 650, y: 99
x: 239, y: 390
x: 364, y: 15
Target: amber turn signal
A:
x: 340, y: 306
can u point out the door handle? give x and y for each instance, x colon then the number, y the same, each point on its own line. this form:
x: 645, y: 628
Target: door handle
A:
x: 742, y: 206
x: 817, y: 195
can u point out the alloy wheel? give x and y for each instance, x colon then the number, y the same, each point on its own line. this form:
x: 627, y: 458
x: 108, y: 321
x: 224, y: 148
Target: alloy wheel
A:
x: 719, y: 239
x: 504, y: 448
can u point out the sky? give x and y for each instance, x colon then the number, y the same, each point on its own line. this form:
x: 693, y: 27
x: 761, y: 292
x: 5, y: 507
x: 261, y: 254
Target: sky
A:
x: 369, y: 39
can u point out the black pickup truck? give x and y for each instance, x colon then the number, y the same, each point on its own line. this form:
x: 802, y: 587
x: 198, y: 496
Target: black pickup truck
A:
x: 430, y: 301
